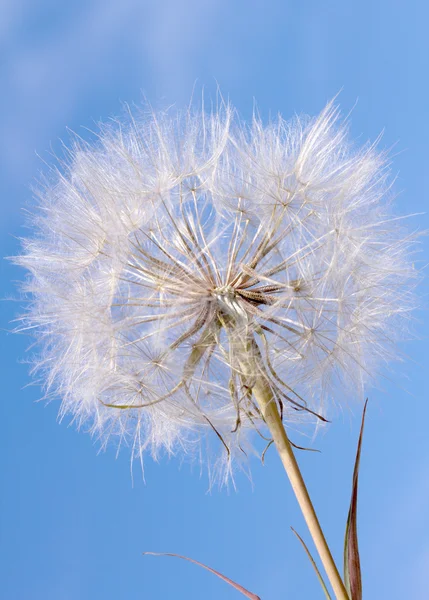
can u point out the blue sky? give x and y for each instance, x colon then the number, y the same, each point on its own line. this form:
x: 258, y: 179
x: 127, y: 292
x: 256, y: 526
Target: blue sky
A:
x: 72, y: 525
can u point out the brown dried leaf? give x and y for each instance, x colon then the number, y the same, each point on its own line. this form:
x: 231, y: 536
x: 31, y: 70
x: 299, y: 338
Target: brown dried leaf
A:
x: 352, y: 570
x: 235, y: 585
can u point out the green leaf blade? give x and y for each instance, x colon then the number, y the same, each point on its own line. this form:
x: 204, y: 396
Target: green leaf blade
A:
x: 313, y: 564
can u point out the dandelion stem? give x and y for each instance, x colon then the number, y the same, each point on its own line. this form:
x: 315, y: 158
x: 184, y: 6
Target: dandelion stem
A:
x: 264, y: 397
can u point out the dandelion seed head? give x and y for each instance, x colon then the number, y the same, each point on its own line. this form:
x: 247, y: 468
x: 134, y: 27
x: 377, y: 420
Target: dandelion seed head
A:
x: 182, y: 257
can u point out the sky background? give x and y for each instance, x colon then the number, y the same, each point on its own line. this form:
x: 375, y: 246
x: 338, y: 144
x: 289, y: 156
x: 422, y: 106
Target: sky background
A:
x: 72, y: 523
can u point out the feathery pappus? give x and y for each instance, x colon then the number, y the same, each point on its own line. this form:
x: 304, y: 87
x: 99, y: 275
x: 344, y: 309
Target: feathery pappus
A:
x: 183, y: 257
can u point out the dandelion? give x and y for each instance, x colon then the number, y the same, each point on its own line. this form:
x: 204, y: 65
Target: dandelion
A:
x: 193, y: 278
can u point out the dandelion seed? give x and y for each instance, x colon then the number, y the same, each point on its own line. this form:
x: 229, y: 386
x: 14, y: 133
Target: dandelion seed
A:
x: 183, y: 260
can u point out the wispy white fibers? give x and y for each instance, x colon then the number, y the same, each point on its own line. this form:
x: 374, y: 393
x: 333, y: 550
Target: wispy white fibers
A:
x: 183, y: 256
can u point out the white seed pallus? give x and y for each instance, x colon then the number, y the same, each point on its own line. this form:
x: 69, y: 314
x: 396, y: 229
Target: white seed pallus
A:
x: 183, y: 256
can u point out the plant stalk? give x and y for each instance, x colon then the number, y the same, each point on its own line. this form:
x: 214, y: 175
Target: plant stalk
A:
x: 268, y: 406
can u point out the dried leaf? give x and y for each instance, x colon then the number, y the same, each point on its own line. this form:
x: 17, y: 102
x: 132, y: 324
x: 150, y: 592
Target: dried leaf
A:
x: 235, y: 585
x: 352, y: 570
x: 313, y: 563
